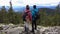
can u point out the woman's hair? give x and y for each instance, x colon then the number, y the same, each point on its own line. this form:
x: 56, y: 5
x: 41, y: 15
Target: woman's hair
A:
x: 27, y: 7
x: 34, y: 6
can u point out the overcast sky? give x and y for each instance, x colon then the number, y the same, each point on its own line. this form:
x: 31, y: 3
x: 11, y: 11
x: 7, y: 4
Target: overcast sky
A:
x: 30, y: 2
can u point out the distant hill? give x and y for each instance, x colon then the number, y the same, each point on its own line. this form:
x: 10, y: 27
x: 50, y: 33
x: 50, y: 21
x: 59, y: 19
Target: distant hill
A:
x: 48, y: 10
x: 22, y: 8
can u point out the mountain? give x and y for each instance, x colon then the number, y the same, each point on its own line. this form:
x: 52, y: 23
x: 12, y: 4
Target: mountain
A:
x: 48, y: 10
x: 22, y: 8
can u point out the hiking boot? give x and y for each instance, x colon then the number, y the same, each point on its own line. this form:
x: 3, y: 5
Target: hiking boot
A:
x: 35, y: 31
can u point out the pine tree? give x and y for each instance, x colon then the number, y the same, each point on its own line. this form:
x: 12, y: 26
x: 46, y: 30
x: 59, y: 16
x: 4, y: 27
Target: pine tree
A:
x: 58, y: 14
x: 3, y: 15
x: 10, y: 13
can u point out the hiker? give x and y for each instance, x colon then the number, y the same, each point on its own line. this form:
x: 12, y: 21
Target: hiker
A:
x: 27, y: 18
x: 34, y: 18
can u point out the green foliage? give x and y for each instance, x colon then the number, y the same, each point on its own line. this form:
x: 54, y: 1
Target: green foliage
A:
x: 3, y: 15
x: 52, y: 19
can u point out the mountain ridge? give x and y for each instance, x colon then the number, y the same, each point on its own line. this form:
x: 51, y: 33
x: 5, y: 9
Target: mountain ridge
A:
x: 22, y: 8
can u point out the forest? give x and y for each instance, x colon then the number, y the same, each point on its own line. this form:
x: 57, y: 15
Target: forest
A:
x: 48, y: 17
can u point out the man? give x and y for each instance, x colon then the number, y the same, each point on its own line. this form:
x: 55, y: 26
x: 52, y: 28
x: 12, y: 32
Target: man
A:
x: 34, y: 18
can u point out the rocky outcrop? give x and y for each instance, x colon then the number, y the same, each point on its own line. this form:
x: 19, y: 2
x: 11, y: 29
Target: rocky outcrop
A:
x: 52, y: 30
x: 13, y: 29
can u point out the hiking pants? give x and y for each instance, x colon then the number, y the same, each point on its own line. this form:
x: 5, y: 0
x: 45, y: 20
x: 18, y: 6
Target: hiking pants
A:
x: 26, y: 26
x: 34, y: 25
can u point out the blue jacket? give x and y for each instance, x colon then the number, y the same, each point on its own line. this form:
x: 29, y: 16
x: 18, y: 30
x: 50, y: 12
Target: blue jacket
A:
x: 34, y: 12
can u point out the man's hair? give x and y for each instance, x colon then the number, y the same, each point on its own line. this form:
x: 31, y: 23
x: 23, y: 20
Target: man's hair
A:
x: 27, y: 7
x: 34, y: 6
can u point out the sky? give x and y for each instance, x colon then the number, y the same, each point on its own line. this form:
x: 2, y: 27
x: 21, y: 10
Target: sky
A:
x: 30, y: 2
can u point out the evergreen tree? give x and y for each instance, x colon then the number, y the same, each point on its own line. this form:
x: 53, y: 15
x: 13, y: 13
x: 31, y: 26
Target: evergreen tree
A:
x: 11, y: 13
x: 3, y: 15
x: 58, y: 14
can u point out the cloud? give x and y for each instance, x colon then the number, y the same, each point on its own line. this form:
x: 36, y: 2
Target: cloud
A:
x: 4, y: 2
x: 30, y: 2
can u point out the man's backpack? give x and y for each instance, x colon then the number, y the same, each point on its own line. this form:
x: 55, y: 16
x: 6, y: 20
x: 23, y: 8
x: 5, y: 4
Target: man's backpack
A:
x: 37, y: 15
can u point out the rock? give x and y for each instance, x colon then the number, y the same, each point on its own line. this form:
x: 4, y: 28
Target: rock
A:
x: 52, y: 30
x: 12, y: 29
x: 1, y: 28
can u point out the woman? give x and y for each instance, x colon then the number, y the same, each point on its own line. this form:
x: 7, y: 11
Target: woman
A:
x: 27, y: 18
